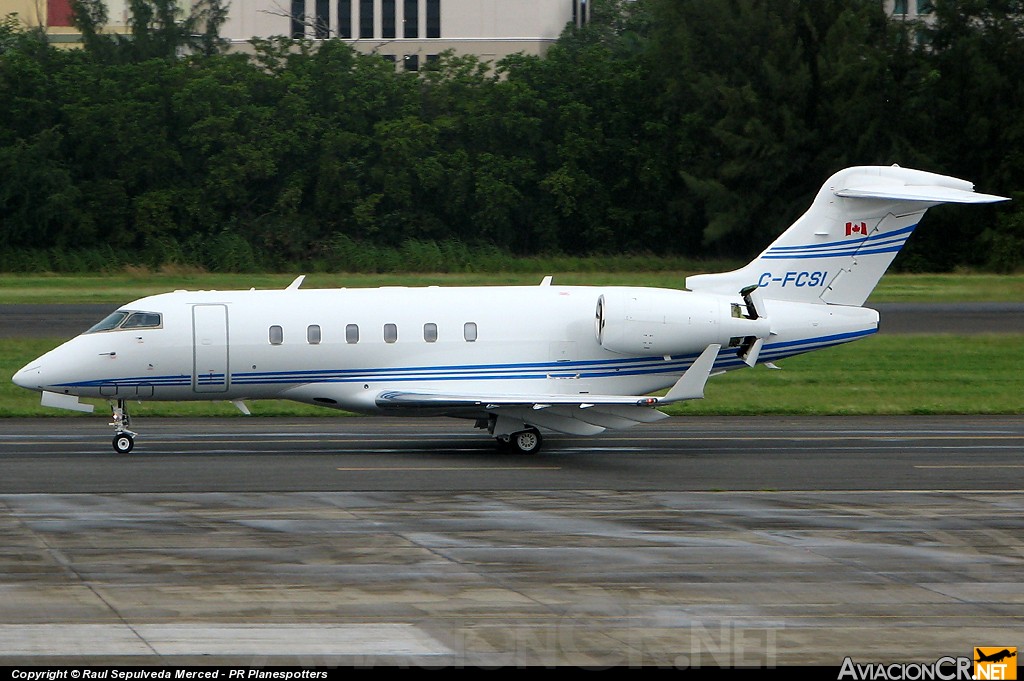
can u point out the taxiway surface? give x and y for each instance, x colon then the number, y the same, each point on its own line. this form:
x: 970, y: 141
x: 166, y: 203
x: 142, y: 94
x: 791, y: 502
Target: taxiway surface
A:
x: 733, y: 541
x: 728, y: 541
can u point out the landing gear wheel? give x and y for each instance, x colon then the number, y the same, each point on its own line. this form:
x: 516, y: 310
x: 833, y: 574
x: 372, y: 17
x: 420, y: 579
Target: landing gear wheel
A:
x: 124, y: 439
x: 526, y: 441
x: 123, y: 443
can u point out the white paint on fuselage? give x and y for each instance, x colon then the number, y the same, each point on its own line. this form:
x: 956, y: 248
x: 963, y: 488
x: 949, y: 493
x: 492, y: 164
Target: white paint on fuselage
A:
x: 530, y: 340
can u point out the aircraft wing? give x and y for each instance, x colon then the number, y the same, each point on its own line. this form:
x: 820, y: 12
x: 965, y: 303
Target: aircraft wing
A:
x: 560, y: 413
x: 577, y: 414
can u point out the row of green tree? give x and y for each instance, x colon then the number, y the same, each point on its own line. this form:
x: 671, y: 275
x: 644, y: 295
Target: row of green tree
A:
x: 677, y: 127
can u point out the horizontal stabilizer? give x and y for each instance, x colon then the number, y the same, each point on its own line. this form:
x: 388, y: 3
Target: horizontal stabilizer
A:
x: 928, y: 194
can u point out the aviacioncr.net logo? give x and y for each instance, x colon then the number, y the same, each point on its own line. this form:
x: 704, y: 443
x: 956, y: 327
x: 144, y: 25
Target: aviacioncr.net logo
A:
x: 943, y: 669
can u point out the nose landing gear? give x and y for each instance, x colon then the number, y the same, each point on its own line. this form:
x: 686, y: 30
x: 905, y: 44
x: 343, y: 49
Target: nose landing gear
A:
x: 124, y: 439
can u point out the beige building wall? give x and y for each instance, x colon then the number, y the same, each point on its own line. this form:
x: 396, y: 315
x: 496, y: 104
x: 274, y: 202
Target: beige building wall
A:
x: 491, y: 29
x: 36, y: 13
x: 31, y: 13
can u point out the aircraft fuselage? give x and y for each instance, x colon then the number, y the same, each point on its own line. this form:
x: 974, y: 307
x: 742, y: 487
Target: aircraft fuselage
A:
x: 341, y: 347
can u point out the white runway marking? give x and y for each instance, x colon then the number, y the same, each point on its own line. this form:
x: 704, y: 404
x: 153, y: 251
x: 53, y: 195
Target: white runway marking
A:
x: 257, y: 640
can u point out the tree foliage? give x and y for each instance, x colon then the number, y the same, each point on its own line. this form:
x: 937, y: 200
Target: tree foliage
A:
x: 694, y: 127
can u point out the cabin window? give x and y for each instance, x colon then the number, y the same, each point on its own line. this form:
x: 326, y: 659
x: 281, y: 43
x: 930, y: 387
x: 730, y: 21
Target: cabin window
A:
x: 276, y: 335
x: 430, y: 332
x: 390, y: 333
x: 469, y: 331
x: 352, y: 334
x: 313, y: 334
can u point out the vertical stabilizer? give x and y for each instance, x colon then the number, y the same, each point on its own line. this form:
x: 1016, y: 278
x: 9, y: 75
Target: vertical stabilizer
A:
x: 838, y: 250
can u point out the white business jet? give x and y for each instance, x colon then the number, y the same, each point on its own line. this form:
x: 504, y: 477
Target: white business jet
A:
x: 569, y: 359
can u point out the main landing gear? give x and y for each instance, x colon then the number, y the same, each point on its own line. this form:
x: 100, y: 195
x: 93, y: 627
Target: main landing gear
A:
x: 526, y: 441
x: 124, y: 439
x: 511, y: 434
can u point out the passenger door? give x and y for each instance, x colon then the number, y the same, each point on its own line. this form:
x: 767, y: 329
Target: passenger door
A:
x: 210, y: 348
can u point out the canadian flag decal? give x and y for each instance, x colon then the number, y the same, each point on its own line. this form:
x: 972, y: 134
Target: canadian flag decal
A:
x: 854, y: 228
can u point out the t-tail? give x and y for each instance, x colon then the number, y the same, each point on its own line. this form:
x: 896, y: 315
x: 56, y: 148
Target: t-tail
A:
x: 839, y: 249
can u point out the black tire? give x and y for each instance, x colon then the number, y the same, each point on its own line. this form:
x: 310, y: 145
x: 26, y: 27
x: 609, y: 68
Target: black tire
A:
x: 526, y: 441
x: 123, y: 443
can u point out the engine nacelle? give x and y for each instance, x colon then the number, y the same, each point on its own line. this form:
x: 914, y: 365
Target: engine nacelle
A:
x: 661, y: 322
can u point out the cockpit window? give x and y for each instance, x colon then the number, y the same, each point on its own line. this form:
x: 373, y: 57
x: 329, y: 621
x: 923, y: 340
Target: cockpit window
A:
x: 142, y: 320
x: 111, y: 322
x: 129, y: 320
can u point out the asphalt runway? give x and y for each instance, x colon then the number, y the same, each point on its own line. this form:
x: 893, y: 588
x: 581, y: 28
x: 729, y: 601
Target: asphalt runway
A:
x: 72, y: 455
x: 355, y: 541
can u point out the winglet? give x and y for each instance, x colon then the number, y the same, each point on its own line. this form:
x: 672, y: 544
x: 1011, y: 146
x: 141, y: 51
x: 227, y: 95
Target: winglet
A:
x: 690, y: 385
x: 294, y: 286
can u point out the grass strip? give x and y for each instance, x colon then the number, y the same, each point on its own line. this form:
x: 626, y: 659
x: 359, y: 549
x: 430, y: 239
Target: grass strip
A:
x: 878, y: 375
x: 121, y: 288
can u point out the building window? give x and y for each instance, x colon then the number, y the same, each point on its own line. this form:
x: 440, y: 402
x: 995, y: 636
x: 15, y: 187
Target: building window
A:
x: 344, y: 18
x: 430, y: 332
x: 390, y: 333
x: 433, y: 18
x: 387, y: 19
x: 322, y: 28
x: 411, y: 62
x: 276, y: 335
x: 352, y: 334
x: 365, y: 18
x: 313, y: 334
x: 298, y: 19
x: 899, y: 7
x: 469, y: 332
x: 411, y: 19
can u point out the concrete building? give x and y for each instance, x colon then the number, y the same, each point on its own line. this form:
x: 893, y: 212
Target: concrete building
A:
x: 55, y: 17
x: 411, y: 31
x: 406, y: 31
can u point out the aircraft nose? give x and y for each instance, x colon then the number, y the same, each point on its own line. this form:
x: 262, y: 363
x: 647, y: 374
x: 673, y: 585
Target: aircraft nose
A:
x: 30, y: 376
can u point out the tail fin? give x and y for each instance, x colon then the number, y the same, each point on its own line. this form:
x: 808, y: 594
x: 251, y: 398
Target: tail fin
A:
x: 839, y: 249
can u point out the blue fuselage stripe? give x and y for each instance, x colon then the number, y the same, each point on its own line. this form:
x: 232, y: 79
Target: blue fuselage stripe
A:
x: 583, y: 369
